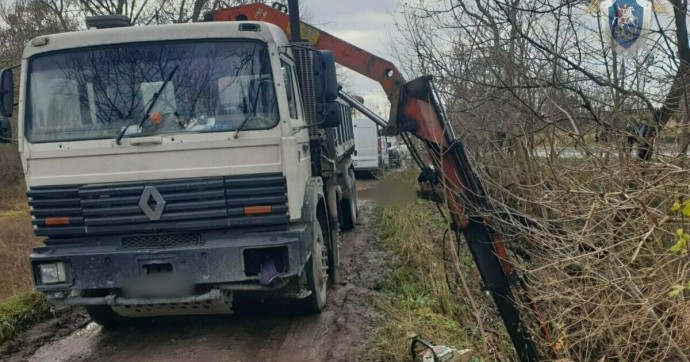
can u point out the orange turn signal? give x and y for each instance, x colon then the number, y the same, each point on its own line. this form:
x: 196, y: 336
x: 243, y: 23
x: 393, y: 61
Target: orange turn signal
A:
x: 53, y: 221
x: 257, y: 210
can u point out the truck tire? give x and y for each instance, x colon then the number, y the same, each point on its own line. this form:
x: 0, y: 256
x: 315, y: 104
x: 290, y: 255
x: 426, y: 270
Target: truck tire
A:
x: 105, y: 316
x: 334, y: 273
x: 317, y: 274
x: 349, y: 205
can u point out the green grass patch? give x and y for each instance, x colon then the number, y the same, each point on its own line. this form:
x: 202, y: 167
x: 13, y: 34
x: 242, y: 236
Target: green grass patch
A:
x: 20, y: 312
x: 422, y: 296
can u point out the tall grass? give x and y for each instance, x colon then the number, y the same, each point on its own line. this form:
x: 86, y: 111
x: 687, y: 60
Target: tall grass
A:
x: 19, y: 307
x: 16, y: 233
x: 21, y: 311
x: 16, y: 241
x: 433, y: 289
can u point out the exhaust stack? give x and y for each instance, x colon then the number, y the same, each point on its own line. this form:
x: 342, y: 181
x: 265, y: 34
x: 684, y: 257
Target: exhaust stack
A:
x: 293, y: 12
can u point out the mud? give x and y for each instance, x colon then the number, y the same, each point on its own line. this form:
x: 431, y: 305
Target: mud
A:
x: 264, y: 332
x: 65, y: 321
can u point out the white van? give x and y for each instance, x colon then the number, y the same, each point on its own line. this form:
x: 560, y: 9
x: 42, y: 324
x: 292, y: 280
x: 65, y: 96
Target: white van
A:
x: 368, y: 151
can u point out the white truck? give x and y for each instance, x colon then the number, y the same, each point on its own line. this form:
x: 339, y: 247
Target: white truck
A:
x: 170, y: 167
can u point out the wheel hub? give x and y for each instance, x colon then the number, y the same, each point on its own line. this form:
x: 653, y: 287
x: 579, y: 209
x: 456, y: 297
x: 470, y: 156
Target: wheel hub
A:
x: 321, y: 259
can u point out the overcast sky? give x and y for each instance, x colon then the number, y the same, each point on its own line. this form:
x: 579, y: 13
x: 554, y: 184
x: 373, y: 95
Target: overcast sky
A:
x: 368, y: 24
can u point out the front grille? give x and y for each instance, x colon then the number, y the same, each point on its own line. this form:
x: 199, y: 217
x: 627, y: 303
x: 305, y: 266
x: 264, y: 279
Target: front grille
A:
x: 174, y: 206
x: 161, y: 241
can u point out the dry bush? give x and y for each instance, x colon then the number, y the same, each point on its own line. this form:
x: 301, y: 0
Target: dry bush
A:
x: 10, y: 163
x: 16, y: 233
x: 590, y: 231
x: 16, y: 241
x: 13, y: 199
x: 10, y: 166
x: 589, y: 226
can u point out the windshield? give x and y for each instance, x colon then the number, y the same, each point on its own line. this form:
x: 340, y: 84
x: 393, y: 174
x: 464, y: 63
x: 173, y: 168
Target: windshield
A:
x: 154, y: 88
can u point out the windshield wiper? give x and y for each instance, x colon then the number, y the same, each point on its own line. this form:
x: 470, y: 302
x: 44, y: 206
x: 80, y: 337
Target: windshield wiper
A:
x: 152, y: 103
x: 244, y: 122
x: 252, y: 112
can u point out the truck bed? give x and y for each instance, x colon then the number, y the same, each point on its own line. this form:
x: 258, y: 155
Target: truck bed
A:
x: 342, y: 137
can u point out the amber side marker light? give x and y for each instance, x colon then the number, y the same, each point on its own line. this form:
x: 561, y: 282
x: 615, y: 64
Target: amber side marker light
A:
x: 257, y: 210
x: 53, y: 221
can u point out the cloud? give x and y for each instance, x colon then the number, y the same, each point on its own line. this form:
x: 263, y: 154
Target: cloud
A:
x: 368, y: 24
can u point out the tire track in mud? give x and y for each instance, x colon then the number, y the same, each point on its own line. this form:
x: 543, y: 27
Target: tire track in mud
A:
x: 261, y: 333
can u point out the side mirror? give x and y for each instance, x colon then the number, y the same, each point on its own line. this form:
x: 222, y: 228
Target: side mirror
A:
x: 6, y: 93
x: 332, y: 114
x: 325, y: 78
x: 5, y: 130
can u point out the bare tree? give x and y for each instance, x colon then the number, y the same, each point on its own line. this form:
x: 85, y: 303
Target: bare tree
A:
x: 157, y: 11
x: 62, y: 10
x: 133, y: 9
x: 25, y: 19
x: 553, y: 113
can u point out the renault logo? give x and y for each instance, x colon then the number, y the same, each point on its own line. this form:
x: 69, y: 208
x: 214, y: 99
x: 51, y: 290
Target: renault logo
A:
x: 152, y: 203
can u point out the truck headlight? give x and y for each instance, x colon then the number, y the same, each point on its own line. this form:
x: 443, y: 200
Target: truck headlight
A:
x: 52, y: 273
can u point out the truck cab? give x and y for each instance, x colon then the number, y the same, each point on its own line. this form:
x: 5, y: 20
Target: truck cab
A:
x: 172, y: 166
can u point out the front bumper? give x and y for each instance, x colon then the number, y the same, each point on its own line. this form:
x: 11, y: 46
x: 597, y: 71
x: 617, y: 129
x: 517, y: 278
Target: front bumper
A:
x: 114, y: 300
x: 105, y: 265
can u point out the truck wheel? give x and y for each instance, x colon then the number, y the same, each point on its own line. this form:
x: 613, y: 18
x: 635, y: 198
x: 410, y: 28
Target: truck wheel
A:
x: 349, y: 205
x: 105, y: 316
x: 334, y: 259
x: 317, y: 274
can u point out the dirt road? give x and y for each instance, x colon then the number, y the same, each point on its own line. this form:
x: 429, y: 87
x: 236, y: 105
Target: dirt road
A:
x: 260, y: 333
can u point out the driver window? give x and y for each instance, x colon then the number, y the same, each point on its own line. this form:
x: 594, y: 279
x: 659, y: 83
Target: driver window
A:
x: 288, y: 77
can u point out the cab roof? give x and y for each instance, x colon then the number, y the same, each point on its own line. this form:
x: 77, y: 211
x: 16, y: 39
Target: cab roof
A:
x: 266, y: 32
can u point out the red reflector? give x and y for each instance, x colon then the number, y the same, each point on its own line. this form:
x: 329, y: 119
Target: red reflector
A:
x: 52, y: 221
x: 257, y: 210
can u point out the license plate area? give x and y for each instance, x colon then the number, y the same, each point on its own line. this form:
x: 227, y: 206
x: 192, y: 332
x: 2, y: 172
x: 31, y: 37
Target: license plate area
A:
x: 159, y: 278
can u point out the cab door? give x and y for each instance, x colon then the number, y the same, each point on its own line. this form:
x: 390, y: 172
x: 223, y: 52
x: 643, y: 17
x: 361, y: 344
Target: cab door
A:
x: 297, y: 157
